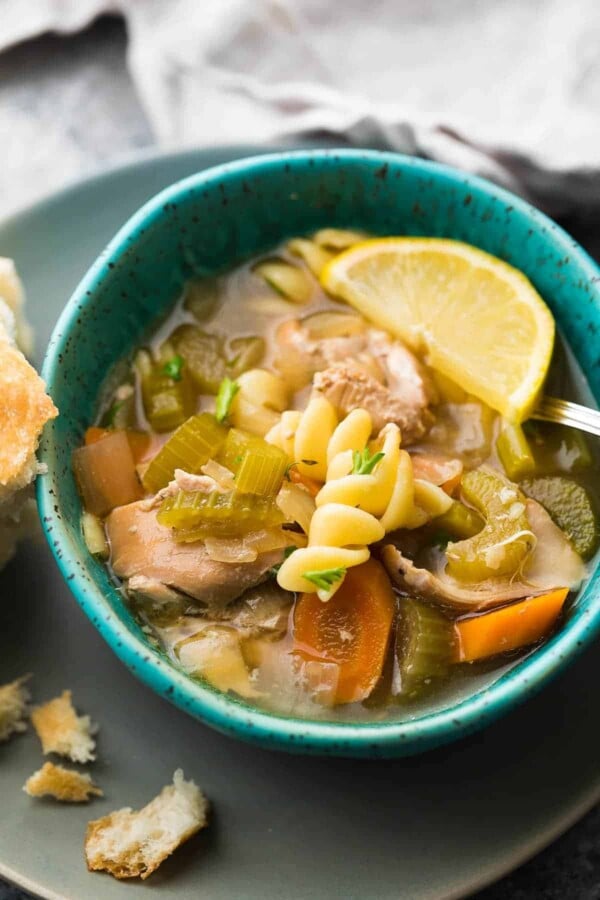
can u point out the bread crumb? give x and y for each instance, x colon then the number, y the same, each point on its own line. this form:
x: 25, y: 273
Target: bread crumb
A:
x: 14, y: 698
x: 129, y: 844
x: 65, y: 785
x: 62, y: 731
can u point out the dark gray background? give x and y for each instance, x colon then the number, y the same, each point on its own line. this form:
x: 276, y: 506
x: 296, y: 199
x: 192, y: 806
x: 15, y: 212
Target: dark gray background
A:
x: 67, y: 108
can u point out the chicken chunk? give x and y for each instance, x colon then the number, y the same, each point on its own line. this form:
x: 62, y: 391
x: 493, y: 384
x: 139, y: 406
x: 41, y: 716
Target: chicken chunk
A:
x: 300, y: 356
x: 347, y: 387
x: 442, y: 589
x: 142, y: 547
x: 367, y: 369
x: 552, y: 564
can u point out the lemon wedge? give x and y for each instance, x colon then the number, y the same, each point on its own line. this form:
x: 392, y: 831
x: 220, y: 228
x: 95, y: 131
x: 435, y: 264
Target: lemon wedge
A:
x: 473, y: 317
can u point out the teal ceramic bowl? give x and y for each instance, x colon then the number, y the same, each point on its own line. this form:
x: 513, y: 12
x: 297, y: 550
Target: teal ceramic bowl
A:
x: 213, y: 220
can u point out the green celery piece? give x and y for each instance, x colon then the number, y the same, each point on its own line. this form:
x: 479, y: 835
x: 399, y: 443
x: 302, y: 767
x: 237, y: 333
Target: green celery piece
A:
x: 167, y: 403
x: 204, y: 356
x: 198, y: 515
x: 506, y: 539
x: 571, y: 508
x: 460, y: 521
x: 236, y: 447
x: 262, y: 470
x: 425, y: 645
x: 195, y: 442
x: 514, y: 452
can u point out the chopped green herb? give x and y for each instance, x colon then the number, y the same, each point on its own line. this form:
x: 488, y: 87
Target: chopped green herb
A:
x: 227, y: 391
x: 172, y: 368
x: 363, y: 462
x: 286, y: 552
x: 310, y: 462
x: 325, y: 578
x: 441, y: 539
x: 109, y: 416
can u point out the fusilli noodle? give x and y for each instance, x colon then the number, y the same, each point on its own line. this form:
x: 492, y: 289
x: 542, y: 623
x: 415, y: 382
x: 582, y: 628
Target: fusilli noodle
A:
x: 353, y: 510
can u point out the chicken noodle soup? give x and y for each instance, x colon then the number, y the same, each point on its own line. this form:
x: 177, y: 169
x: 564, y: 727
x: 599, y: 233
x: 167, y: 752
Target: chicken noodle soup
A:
x: 307, y: 514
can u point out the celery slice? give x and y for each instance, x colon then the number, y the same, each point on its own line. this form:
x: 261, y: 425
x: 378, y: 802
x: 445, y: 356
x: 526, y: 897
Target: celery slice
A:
x: 460, y: 521
x: 204, y: 355
x: 195, y: 515
x: 190, y: 447
x: 167, y: 401
x: 570, y: 506
x: 505, y: 541
x: 94, y: 534
x: 425, y: 645
x: 259, y: 467
x: 261, y: 470
x: 514, y: 452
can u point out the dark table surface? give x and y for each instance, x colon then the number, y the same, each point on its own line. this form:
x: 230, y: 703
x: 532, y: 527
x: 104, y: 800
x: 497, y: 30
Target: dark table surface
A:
x: 76, y: 91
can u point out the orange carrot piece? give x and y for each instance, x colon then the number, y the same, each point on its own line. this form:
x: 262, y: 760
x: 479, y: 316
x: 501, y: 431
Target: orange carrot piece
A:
x: 94, y: 434
x: 352, y: 629
x: 313, y: 487
x: 106, y: 475
x: 509, y: 628
x: 139, y: 442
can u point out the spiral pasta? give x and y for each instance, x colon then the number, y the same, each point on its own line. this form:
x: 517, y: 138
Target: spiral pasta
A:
x: 354, y: 508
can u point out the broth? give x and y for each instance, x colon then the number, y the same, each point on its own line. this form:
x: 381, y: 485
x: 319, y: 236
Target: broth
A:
x: 248, y: 644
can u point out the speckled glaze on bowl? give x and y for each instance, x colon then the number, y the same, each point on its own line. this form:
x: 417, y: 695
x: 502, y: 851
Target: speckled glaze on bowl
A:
x: 212, y: 220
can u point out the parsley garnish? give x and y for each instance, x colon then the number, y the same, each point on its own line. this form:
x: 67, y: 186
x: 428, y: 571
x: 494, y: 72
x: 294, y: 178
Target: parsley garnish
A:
x: 227, y: 391
x: 172, y: 368
x: 324, y: 579
x: 363, y: 462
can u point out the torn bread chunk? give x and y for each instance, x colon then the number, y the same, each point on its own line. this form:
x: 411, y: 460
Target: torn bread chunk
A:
x: 14, y: 699
x: 65, y: 785
x: 62, y: 731
x: 24, y: 411
x: 13, y: 294
x: 129, y: 844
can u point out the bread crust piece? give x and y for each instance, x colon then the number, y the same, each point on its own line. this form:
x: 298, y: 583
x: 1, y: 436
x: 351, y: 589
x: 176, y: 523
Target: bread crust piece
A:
x: 62, y: 731
x: 14, y: 700
x: 24, y: 410
x: 65, y: 785
x: 130, y: 844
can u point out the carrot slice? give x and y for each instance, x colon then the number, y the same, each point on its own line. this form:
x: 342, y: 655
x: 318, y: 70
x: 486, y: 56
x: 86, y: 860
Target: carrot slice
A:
x: 139, y: 441
x: 93, y: 435
x: 509, y: 628
x: 313, y: 487
x: 105, y: 474
x: 352, y: 629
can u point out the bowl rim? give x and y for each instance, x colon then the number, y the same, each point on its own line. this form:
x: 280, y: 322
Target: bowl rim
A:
x: 222, y: 711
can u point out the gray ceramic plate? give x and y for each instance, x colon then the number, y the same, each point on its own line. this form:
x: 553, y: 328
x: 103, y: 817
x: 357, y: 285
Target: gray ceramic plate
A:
x: 435, y: 826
